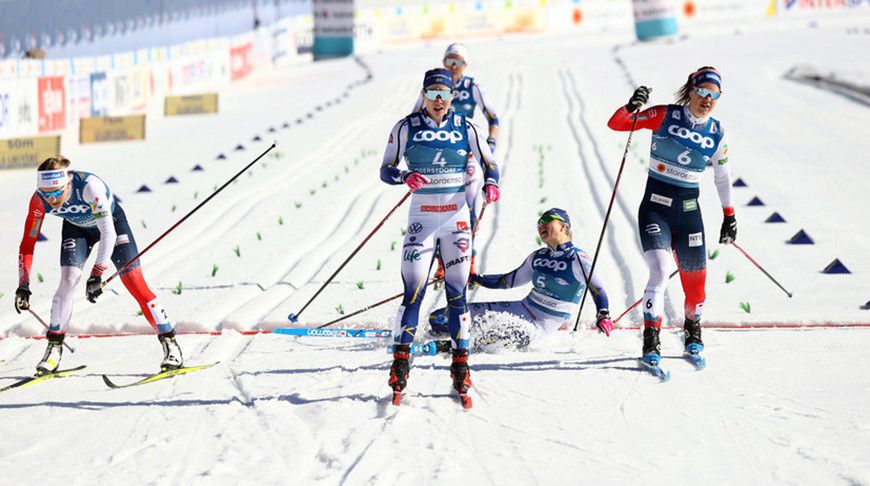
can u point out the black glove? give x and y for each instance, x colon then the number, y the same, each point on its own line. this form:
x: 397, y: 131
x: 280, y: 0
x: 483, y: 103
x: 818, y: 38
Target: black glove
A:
x: 639, y: 98
x: 94, y: 288
x: 728, y: 233
x: 491, y: 142
x: 22, y: 298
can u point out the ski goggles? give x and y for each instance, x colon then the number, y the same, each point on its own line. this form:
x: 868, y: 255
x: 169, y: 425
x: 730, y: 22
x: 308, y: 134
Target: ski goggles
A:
x: 548, y: 218
x: 434, y: 94
x: 53, y: 194
x: 704, y: 92
x: 453, y: 62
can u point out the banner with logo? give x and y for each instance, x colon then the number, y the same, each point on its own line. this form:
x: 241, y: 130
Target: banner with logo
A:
x: 811, y: 8
x: 78, y: 98
x: 52, y: 103
x: 18, y: 108
x: 333, y: 28
x: 654, y: 18
x: 723, y: 11
x: 241, y: 61
x: 191, y: 104
x: 99, y: 94
x: 112, y: 128
x: 27, y: 152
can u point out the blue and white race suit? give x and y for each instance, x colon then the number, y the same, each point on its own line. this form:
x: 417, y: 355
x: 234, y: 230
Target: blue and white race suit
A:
x: 438, y: 216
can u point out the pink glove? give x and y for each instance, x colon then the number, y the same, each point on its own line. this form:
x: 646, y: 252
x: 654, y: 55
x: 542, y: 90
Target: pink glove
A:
x: 492, y: 193
x: 416, y: 181
x: 605, y: 325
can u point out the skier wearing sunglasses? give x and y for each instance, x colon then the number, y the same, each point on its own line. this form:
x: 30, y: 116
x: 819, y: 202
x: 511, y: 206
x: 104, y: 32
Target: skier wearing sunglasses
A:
x: 91, y: 215
x: 437, y: 146
x: 467, y: 96
x: 685, y: 140
x: 558, y: 274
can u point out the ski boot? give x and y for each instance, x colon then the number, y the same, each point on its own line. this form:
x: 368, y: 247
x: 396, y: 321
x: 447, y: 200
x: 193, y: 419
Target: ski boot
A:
x: 51, y: 360
x: 461, y: 376
x: 692, y: 332
x: 694, y: 345
x: 652, y: 347
x: 399, y: 371
x: 172, y: 359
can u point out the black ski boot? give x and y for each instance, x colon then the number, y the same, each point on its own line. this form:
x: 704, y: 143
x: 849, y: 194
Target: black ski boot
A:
x: 692, y: 332
x: 652, y: 347
x: 399, y: 371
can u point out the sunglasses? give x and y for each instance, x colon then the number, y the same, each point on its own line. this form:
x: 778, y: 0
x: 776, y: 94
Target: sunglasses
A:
x: 434, y: 94
x: 704, y: 92
x: 53, y: 194
x: 453, y: 62
x: 549, y: 218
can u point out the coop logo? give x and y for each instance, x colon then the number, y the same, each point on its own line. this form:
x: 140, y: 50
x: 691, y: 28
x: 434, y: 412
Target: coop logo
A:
x: 441, y: 135
x: 683, y: 132
x: 463, y: 95
x: 547, y: 263
x: 72, y: 209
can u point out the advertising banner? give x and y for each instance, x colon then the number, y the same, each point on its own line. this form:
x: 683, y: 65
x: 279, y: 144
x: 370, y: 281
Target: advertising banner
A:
x: 241, y: 61
x: 112, y: 128
x: 52, y: 103
x: 78, y: 98
x: 190, y: 105
x: 654, y: 18
x: 99, y: 94
x: 18, y: 107
x: 27, y: 152
x: 811, y: 8
x: 333, y: 28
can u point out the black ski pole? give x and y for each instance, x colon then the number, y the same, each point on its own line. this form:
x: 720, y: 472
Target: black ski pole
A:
x: 295, y: 317
x: 176, y: 225
x: 607, y: 216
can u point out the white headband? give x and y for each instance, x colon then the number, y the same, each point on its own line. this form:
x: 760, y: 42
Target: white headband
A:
x: 52, y: 179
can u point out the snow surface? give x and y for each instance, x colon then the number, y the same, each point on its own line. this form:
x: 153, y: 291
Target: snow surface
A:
x: 774, y: 406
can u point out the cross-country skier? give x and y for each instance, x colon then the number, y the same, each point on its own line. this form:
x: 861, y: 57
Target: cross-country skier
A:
x: 558, y: 274
x: 91, y: 215
x: 685, y: 140
x: 437, y: 146
x: 468, y: 95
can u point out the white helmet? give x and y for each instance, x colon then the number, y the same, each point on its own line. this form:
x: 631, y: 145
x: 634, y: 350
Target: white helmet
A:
x: 458, y: 50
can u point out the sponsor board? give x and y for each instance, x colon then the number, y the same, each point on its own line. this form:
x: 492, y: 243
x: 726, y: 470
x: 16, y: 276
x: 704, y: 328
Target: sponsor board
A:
x: 18, y: 106
x: 52, y: 103
x: 27, y: 152
x: 112, y: 128
x: 191, y: 104
x: 241, y: 62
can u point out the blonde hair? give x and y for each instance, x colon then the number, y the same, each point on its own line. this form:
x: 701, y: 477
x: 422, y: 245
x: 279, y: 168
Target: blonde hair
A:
x: 54, y: 163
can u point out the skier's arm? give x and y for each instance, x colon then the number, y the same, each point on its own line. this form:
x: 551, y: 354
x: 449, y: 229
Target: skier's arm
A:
x: 390, y: 172
x: 481, y: 99
x: 519, y: 277
x: 651, y: 118
x: 582, y: 269
x: 96, y: 195
x: 722, y: 176
x: 481, y: 151
x: 32, y: 225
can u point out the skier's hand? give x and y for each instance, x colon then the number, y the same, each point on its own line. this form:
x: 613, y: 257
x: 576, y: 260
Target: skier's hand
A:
x: 22, y: 298
x: 638, y: 99
x: 728, y: 233
x: 94, y: 288
x: 491, y: 142
x: 492, y: 193
x: 604, y: 324
x: 474, y: 278
x: 415, y: 181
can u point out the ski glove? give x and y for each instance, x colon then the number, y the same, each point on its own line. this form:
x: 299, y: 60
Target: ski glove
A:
x: 94, y: 288
x: 604, y: 324
x: 22, y: 298
x: 492, y: 193
x: 415, y: 181
x: 638, y: 99
x: 728, y: 233
x: 491, y: 142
